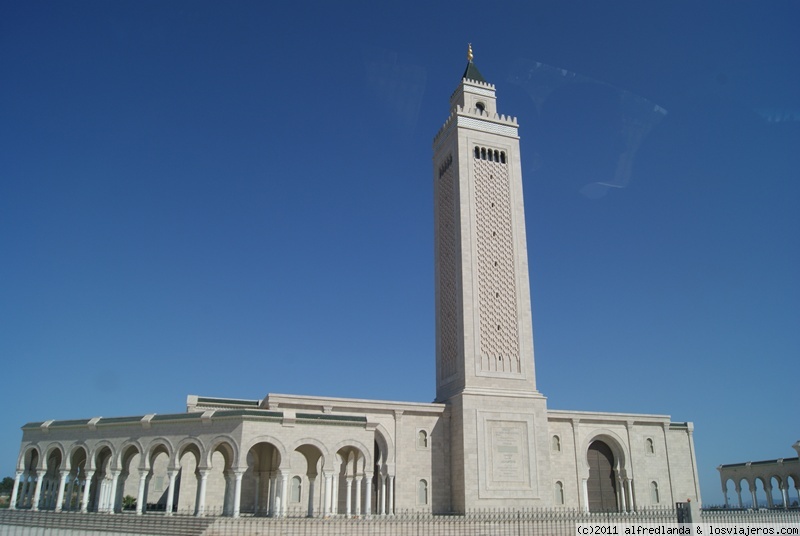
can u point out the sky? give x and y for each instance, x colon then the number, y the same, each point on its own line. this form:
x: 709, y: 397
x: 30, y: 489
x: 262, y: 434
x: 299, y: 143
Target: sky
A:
x: 234, y: 199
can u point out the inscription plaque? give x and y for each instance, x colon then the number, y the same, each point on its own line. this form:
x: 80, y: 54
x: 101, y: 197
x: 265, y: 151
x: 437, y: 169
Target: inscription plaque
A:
x: 507, y: 458
x: 508, y: 451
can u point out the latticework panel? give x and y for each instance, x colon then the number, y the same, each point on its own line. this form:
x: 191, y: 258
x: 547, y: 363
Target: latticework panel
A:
x: 449, y: 264
x: 497, y: 292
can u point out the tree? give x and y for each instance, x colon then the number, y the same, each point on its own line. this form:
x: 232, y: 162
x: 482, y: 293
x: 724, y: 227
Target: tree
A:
x: 6, y: 485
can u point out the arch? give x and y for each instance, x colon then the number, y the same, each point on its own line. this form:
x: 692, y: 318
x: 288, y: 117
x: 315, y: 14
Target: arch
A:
x: 558, y: 491
x: 156, y: 445
x: 97, y: 449
x: 78, y: 452
x: 422, y: 439
x: 190, y: 444
x: 614, y: 442
x: 272, y: 440
x: 49, y: 454
x: 654, y: 494
x: 354, y: 444
x: 795, y: 483
x: 319, y: 445
x: 125, y: 454
x: 422, y: 492
x: 29, y: 458
x: 264, y: 459
x: 227, y: 446
x: 649, y: 446
x: 775, y: 485
x: 101, y: 460
x: 555, y: 444
x: 384, y: 440
x: 726, y: 490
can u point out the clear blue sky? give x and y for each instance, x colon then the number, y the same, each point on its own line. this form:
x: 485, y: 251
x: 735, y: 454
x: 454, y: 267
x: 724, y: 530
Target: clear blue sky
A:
x: 232, y: 199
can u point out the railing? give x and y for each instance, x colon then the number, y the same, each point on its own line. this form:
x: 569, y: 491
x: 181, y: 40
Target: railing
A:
x: 741, y: 515
x: 544, y: 522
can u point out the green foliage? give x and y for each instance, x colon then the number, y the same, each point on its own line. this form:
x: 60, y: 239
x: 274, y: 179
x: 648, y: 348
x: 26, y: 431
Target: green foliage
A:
x: 6, y: 485
x: 128, y: 502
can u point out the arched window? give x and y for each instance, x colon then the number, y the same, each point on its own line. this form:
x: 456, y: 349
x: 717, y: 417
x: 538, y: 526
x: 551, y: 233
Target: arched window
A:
x: 502, y: 157
x: 483, y: 153
x: 496, y: 156
x: 650, y: 447
x: 654, y: 492
x: 477, y: 152
x: 297, y: 490
x: 422, y: 492
x: 556, y: 444
x: 559, y: 493
x: 480, y: 106
x: 422, y: 439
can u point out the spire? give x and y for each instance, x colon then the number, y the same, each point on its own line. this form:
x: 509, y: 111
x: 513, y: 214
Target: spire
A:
x: 472, y: 72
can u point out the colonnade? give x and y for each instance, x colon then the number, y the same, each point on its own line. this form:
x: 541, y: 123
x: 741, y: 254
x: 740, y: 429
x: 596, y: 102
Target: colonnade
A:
x: 626, y: 501
x: 783, y: 486
x: 37, y: 490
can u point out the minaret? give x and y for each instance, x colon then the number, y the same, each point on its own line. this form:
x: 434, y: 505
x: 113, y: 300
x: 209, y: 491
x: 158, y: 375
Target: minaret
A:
x: 484, y: 336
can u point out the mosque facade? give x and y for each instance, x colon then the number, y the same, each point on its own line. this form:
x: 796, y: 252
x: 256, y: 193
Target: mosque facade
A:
x: 488, y: 441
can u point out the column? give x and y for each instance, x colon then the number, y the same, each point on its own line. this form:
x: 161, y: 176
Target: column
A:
x: 284, y: 493
x: 237, y: 493
x: 381, y: 494
x: 14, y: 492
x: 739, y: 494
x: 270, y: 484
x: 61, y: 485
x: 311, y: 481
x: 785, y: 494
x: 227, y: 496
x: 585, y: 494
x: 368, y: 498
x: 70, y: 491
x: 348, y: 497
x: 621, y: 495
x: 359, y: 483
x: 326, y: 496
x: 335, y: 495
x: 26, y: 485
x: 112, y: 499
x: 140, y: 498
x: 257, y: 493
x: 753, y: 494
x: 37, y: 494
x: 173, y: 475
x: 390, y: 487
x: 631, y: 501
x: 725, y: 494
x: 87, y: 485
x: 768, y: 491
x: 201, y: 493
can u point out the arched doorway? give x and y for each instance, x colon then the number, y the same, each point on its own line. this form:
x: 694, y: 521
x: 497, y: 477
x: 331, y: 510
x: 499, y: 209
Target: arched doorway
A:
x: 602, y: 484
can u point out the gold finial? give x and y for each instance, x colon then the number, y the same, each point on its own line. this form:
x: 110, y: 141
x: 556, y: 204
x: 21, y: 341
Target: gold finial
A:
x: 469, y: 53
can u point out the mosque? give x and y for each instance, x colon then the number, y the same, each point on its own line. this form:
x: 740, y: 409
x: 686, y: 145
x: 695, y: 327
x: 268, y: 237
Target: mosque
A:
x: 488, y: 441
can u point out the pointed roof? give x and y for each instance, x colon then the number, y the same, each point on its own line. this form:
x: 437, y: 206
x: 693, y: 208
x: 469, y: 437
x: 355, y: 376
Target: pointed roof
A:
x: 472, y: 72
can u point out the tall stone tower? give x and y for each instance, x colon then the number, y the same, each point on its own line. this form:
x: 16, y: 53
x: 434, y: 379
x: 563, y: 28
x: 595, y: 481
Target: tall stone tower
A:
x: 484, y: 336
